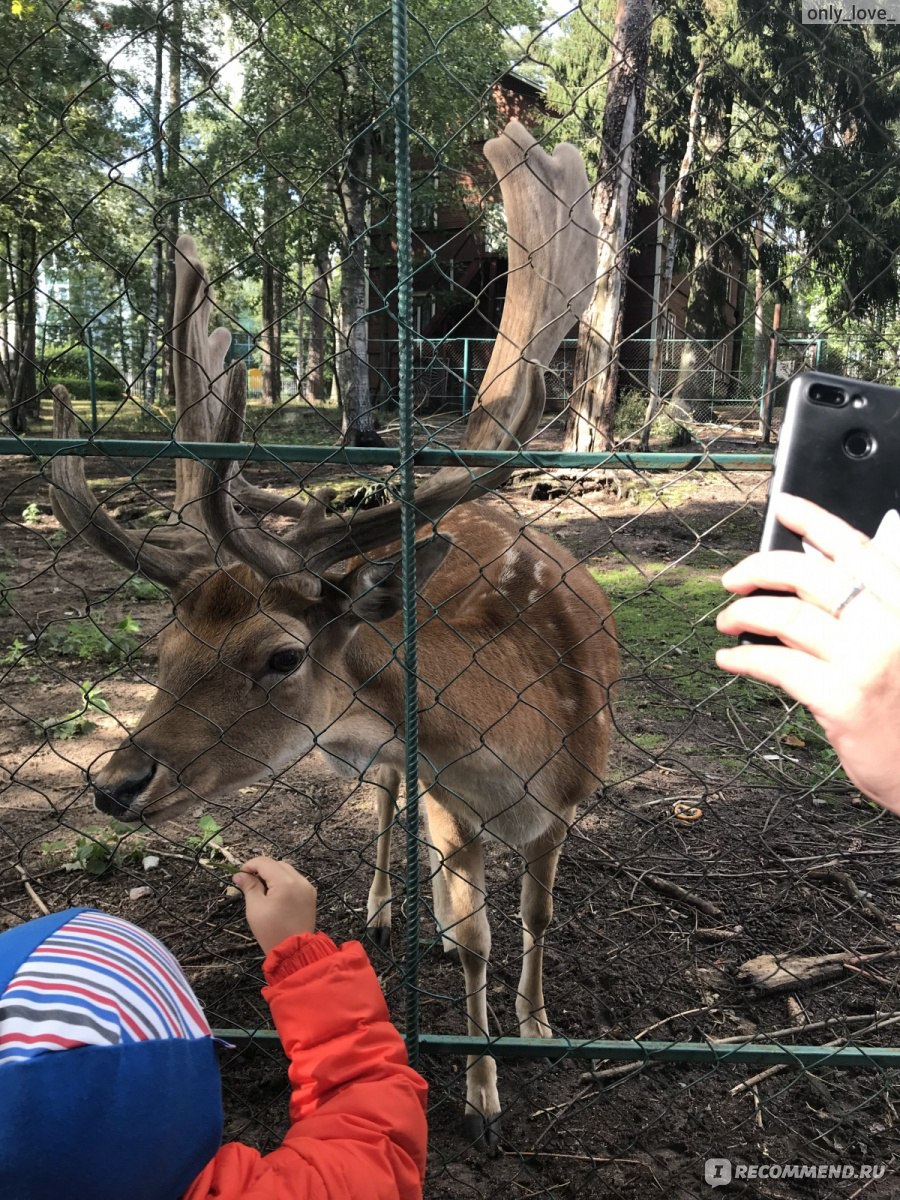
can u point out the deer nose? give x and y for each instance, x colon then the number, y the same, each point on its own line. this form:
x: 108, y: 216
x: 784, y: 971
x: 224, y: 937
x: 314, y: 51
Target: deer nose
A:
x: 115, y: 799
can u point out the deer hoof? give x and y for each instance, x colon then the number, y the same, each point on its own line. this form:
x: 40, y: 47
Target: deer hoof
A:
x: 379, y: 936
x: 482, y: 1130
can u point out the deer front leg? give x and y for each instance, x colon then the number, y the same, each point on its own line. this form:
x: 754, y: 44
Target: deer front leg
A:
x: 378, y: 909
x: 465, y: 923
x: 443, y: 917
x: 537, y: 912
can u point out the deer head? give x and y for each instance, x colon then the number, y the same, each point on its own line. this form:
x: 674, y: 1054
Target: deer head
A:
x: 259, y: 662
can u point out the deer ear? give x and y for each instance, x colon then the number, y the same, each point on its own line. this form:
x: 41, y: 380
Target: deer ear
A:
x: 375, y: 590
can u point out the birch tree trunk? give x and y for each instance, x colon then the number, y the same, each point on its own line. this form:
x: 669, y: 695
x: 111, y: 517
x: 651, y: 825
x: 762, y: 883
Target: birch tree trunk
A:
x: 24, y: 405
x: 593, y: 404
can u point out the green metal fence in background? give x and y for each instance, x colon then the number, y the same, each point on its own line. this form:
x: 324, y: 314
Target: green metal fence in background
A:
x: 725, y: 901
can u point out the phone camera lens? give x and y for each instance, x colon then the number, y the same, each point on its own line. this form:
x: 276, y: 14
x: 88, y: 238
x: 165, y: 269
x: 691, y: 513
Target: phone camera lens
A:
x: 823, y: 393
x: 858, y: 444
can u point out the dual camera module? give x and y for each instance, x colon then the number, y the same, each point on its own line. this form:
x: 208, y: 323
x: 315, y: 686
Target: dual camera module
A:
x: 858, y: 443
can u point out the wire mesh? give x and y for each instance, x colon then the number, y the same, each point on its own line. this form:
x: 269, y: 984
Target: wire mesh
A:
x: 724, y: 886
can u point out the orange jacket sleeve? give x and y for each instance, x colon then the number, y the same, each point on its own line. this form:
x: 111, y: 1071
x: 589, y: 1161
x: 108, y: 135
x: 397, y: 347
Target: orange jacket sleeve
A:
x: 357, y: 1109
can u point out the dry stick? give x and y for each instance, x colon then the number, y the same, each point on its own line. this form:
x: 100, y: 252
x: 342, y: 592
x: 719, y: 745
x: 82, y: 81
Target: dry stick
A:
x: 592, y: 1158
x: 624, y: 1068
x: 795, y: 1011
x: 873, y: 975
x: 843, y: 880
x: 679, y: 893
x: 738, y: 1040
x: 665, y: 886
x: 779, y: 1067
x: 792, y: 1030
x: 31, y: 892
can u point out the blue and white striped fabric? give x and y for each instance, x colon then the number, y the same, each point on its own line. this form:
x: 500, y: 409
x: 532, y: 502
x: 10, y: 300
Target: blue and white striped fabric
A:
x: 96, y: 981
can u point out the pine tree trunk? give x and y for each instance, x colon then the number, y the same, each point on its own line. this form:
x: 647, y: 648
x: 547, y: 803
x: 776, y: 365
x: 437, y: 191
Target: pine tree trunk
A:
x: 760, y: 341
x: 358, y: 419
x: 703, y: 323
x: 5, y: 301
x: 156, y: 266
x: 270, y: 333
x: 315, y: 357
x: 595, y: 384
x: 172, y: 221
x: 670, y: 246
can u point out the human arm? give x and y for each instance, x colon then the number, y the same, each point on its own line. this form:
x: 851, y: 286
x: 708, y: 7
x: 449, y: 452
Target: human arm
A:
x: 357, y: 1109
x: 842, y: 663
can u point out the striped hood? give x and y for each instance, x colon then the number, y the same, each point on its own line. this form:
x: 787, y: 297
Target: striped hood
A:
x: 109, y: 1086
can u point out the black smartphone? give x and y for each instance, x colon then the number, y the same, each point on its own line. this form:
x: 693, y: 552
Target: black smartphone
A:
x: 839, y: 446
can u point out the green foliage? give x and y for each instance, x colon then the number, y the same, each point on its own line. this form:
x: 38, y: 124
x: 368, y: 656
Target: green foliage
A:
x: 65, y: 363
x: 630, y: 414
x: 79, y: 388
x: 144, y: 591
x: 97, y: 849
x: 87, y: 640
x: 77, y: 723
x: 14, y: 652
x: 31, y: 514
x: 210, y: 835
x: 208, y: 844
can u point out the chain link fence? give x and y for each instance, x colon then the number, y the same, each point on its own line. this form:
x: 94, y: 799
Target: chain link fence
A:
x: 715, y: 997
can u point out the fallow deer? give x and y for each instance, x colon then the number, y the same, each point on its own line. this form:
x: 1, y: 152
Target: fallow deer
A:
x: 275, y: 649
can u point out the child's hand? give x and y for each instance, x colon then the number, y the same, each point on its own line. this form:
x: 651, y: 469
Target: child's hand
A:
x: 279, y: 901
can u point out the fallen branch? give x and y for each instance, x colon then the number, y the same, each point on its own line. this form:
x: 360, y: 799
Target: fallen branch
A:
x: 35, y: 898
x: 835, y: 1044
x: 719, y: 935
x: 844, y: 881
x: 673, y: 890
x: 771, y: 974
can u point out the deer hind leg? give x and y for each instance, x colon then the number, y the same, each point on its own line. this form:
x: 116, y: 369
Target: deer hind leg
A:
x: 541, y: 861
x: 464, y: 921
x: 378, y: 909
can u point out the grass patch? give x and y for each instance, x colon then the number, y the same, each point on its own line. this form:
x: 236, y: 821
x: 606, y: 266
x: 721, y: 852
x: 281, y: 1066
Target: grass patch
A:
x: 659, y: 610
x: 296, y: 421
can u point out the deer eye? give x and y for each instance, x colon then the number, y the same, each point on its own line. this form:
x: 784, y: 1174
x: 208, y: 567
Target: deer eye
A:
x: 285, y: 661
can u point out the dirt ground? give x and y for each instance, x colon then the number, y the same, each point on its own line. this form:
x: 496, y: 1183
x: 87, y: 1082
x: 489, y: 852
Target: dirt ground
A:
x: 654, y: 914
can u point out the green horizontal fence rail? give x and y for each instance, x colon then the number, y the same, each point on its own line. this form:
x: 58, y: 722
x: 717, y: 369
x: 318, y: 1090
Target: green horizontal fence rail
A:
x: 383, y: 456
x: 688, y: 1053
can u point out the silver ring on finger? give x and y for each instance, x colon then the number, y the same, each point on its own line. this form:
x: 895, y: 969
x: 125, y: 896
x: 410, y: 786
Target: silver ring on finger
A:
x: 851, y: 596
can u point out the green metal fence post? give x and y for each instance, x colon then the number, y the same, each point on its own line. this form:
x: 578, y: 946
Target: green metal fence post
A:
x: 400, y: 103
x: 92, y: 382
x: 465, y: 377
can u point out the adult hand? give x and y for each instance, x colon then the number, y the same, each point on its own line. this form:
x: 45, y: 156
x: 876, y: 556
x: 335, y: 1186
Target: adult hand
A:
x: 279, y: 901
x: 839, y: 622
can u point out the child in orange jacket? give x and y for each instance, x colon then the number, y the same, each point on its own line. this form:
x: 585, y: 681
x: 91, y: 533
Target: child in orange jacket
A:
x: 109, y: 1086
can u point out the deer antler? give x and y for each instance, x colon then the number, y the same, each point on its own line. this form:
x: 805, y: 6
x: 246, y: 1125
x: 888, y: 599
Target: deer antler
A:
x: 203, y: 390
x: 166, y: 554
x: 552, y: 266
